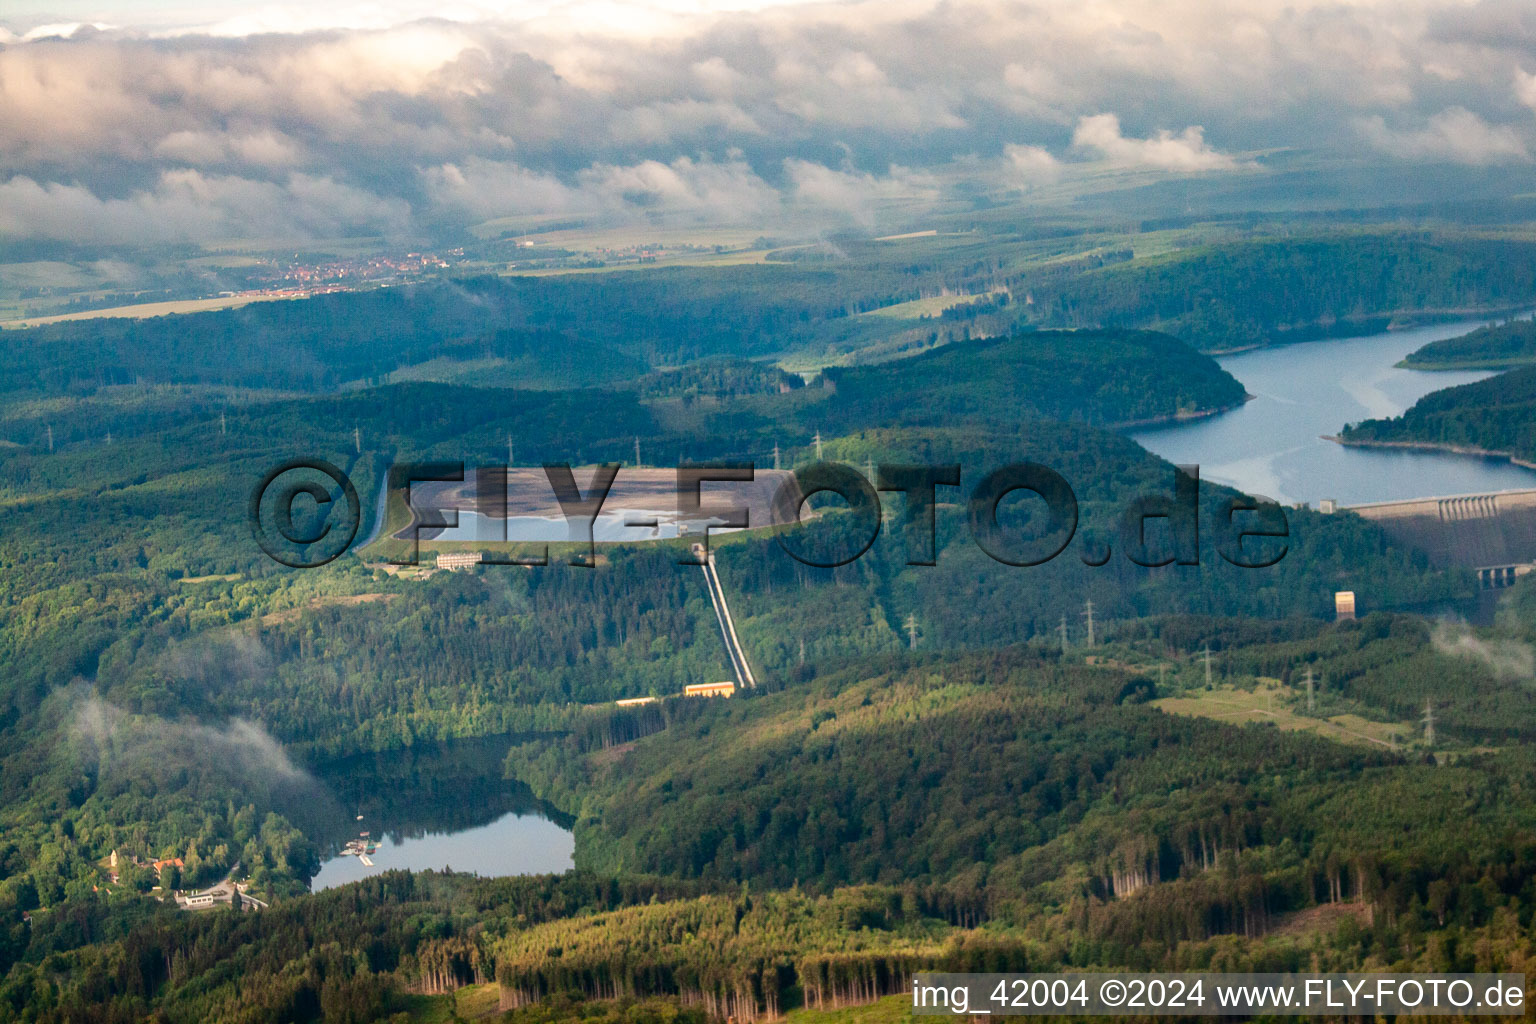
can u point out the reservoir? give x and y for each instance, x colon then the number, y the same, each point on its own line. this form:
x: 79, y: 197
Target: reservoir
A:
x: 443, y: 805
x: 626, y: 526
x: 1273, y: 445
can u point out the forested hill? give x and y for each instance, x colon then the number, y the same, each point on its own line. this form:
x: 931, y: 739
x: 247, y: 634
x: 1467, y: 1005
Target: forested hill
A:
x: 1495, y: 347
x: 1236, y: 294
x: 1101, y: 377
x: 1011, y: 810
x: 1493, y: 415
x: 1007, y: 768
x: 589, y: 328
x: 599, y: 327
x: 713, y: 408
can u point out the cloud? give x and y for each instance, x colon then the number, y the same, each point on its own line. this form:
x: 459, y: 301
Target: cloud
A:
x: 1456, y: 135
x: 1525, y: 87
x: 1030, y: 165
x: 149, y: 752
x: 686, y: 191
x: 1186, y: 151
x: 850, y: 196
x: 683, y: 190
x: 678, y: 109
x: 850, y: 89
x: 187, y: 205
x: 202, y: 148
x: 723, y: 193
x: 1508, y: 660
x: 483, y: 189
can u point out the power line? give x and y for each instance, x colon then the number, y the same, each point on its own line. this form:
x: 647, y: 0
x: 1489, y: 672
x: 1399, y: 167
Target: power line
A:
x: 912, y: 631
x: 818, y: 446
x: 1063, y: 629
x: 1088, y: 614
x: 1429, y: 723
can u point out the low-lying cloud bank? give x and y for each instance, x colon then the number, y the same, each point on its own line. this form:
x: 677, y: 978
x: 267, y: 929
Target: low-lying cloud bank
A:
x: 115, y: 742
x: 281, y: 122
x: 1508, y: 660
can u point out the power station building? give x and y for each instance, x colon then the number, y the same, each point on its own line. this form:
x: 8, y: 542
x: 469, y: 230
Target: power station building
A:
x: 709, y: 689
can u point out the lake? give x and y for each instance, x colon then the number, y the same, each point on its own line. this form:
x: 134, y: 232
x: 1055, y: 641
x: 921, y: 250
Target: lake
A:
x: 1273, y: 445
x: 435, y: 806
x: 514, y: 844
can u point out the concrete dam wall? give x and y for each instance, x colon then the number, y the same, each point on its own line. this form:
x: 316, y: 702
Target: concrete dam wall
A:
x: 1495, y: 534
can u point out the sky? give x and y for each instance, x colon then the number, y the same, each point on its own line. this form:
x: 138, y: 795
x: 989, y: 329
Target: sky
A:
x: 123, y: 122
x: 233, y: 18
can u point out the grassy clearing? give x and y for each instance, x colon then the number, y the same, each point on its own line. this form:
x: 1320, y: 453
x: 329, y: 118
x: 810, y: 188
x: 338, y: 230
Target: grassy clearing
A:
x: 617, y: 237
x: 890, y: 1010
x: 341, y: 600
x: 620, y: 247
x: 918, y: 309
x: 1271, y: 702
x: 473, y: 1002
x: 682, y: 259
x: 145, y: 310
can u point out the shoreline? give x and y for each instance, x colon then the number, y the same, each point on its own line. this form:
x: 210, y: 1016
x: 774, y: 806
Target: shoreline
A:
x: 1465, y: 365
x: 1174, y: 419
x: 1386, y: 322
x: 1432, y: 446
